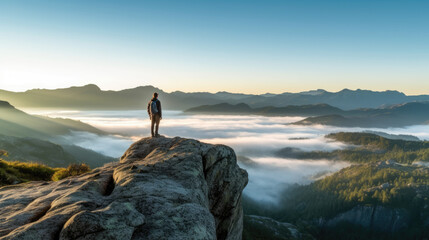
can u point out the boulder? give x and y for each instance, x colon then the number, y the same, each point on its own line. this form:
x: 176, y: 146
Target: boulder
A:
x: 162, y: 188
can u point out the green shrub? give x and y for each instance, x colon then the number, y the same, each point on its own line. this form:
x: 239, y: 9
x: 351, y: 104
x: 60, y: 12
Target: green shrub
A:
x: 3, y: 153
x: 18, y: 172
x: 71, y: 170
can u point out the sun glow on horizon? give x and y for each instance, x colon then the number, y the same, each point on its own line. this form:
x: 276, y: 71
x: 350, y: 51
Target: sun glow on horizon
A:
x: 243, y: 47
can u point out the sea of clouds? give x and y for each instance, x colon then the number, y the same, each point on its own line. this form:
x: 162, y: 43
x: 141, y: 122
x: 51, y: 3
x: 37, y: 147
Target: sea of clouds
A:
x: 254, y: 137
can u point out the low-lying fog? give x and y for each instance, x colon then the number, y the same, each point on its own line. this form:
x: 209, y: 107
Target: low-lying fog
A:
x: 252, y: 137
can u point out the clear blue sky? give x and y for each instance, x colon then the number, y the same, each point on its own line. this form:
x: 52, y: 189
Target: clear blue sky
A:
x: 238, y: 46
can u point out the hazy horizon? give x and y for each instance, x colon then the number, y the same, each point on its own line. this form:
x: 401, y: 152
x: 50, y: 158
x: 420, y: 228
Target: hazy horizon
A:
x: 213, y: 92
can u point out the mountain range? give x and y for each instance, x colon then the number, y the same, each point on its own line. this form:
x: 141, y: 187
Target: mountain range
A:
x: 291, y: 110
x: 92, y: 97
x: 30, y: 138
x: 14, y: 122
x: 51, y: 154
x: 399, y: 115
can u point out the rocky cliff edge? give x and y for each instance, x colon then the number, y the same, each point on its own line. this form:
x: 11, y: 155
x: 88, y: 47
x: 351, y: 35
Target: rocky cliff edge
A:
x: 162, y: 188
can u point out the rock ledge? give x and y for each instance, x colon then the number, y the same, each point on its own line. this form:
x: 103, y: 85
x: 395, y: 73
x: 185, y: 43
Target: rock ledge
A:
x: 162, y: 188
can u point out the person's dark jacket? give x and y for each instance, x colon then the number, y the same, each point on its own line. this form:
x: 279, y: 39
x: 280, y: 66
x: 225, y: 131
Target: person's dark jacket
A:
x: 158, y: 105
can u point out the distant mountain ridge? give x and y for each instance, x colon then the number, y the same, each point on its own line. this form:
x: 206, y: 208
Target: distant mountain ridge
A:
x: 48, y: 153
x: 14, y: 122
x: 28, y: 138
x: 92, y: 97
x: 290, y: 110
x: 412, y: 113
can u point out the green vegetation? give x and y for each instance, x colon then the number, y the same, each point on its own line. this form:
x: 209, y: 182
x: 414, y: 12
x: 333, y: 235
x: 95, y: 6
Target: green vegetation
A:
x: 27, y: 138
x: 14, y: 122
x: 374, y: 148
x: 259, y: 228
x: 393, y: 186
x: 368, y: 148
x: 383, y: 179
x: 18, y: 172
x: 382, y: 187
x: 377, y: 184
x: 71, y: 170
x: 48, y: 153
x: 3, y: 153
x: 373, y: 140
x: 386, y: 184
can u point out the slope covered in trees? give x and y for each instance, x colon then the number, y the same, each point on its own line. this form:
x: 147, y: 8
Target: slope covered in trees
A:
x: 381, y: 196
x: 367, y: 147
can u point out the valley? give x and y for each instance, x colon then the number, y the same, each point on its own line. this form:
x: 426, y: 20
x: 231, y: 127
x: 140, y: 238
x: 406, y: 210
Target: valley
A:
x: 350, y: 171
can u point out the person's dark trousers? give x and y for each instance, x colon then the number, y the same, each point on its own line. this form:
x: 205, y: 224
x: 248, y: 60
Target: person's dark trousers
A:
x: 155, y: 119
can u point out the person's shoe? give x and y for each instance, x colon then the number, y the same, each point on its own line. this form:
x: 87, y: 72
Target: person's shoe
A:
x: 157, y: 135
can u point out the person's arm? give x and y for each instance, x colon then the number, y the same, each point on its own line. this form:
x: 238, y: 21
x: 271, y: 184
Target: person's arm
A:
x: 148, y: 109
x: 159, y: 109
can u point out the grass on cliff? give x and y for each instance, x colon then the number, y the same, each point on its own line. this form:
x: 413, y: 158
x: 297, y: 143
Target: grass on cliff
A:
x: 18, y: 172
x: 71, y: 170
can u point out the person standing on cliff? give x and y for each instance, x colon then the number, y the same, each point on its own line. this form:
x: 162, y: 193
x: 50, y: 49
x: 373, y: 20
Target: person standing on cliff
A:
x: 155, y: 114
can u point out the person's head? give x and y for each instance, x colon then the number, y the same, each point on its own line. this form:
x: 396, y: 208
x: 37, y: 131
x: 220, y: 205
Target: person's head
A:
x: 155, y: 95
